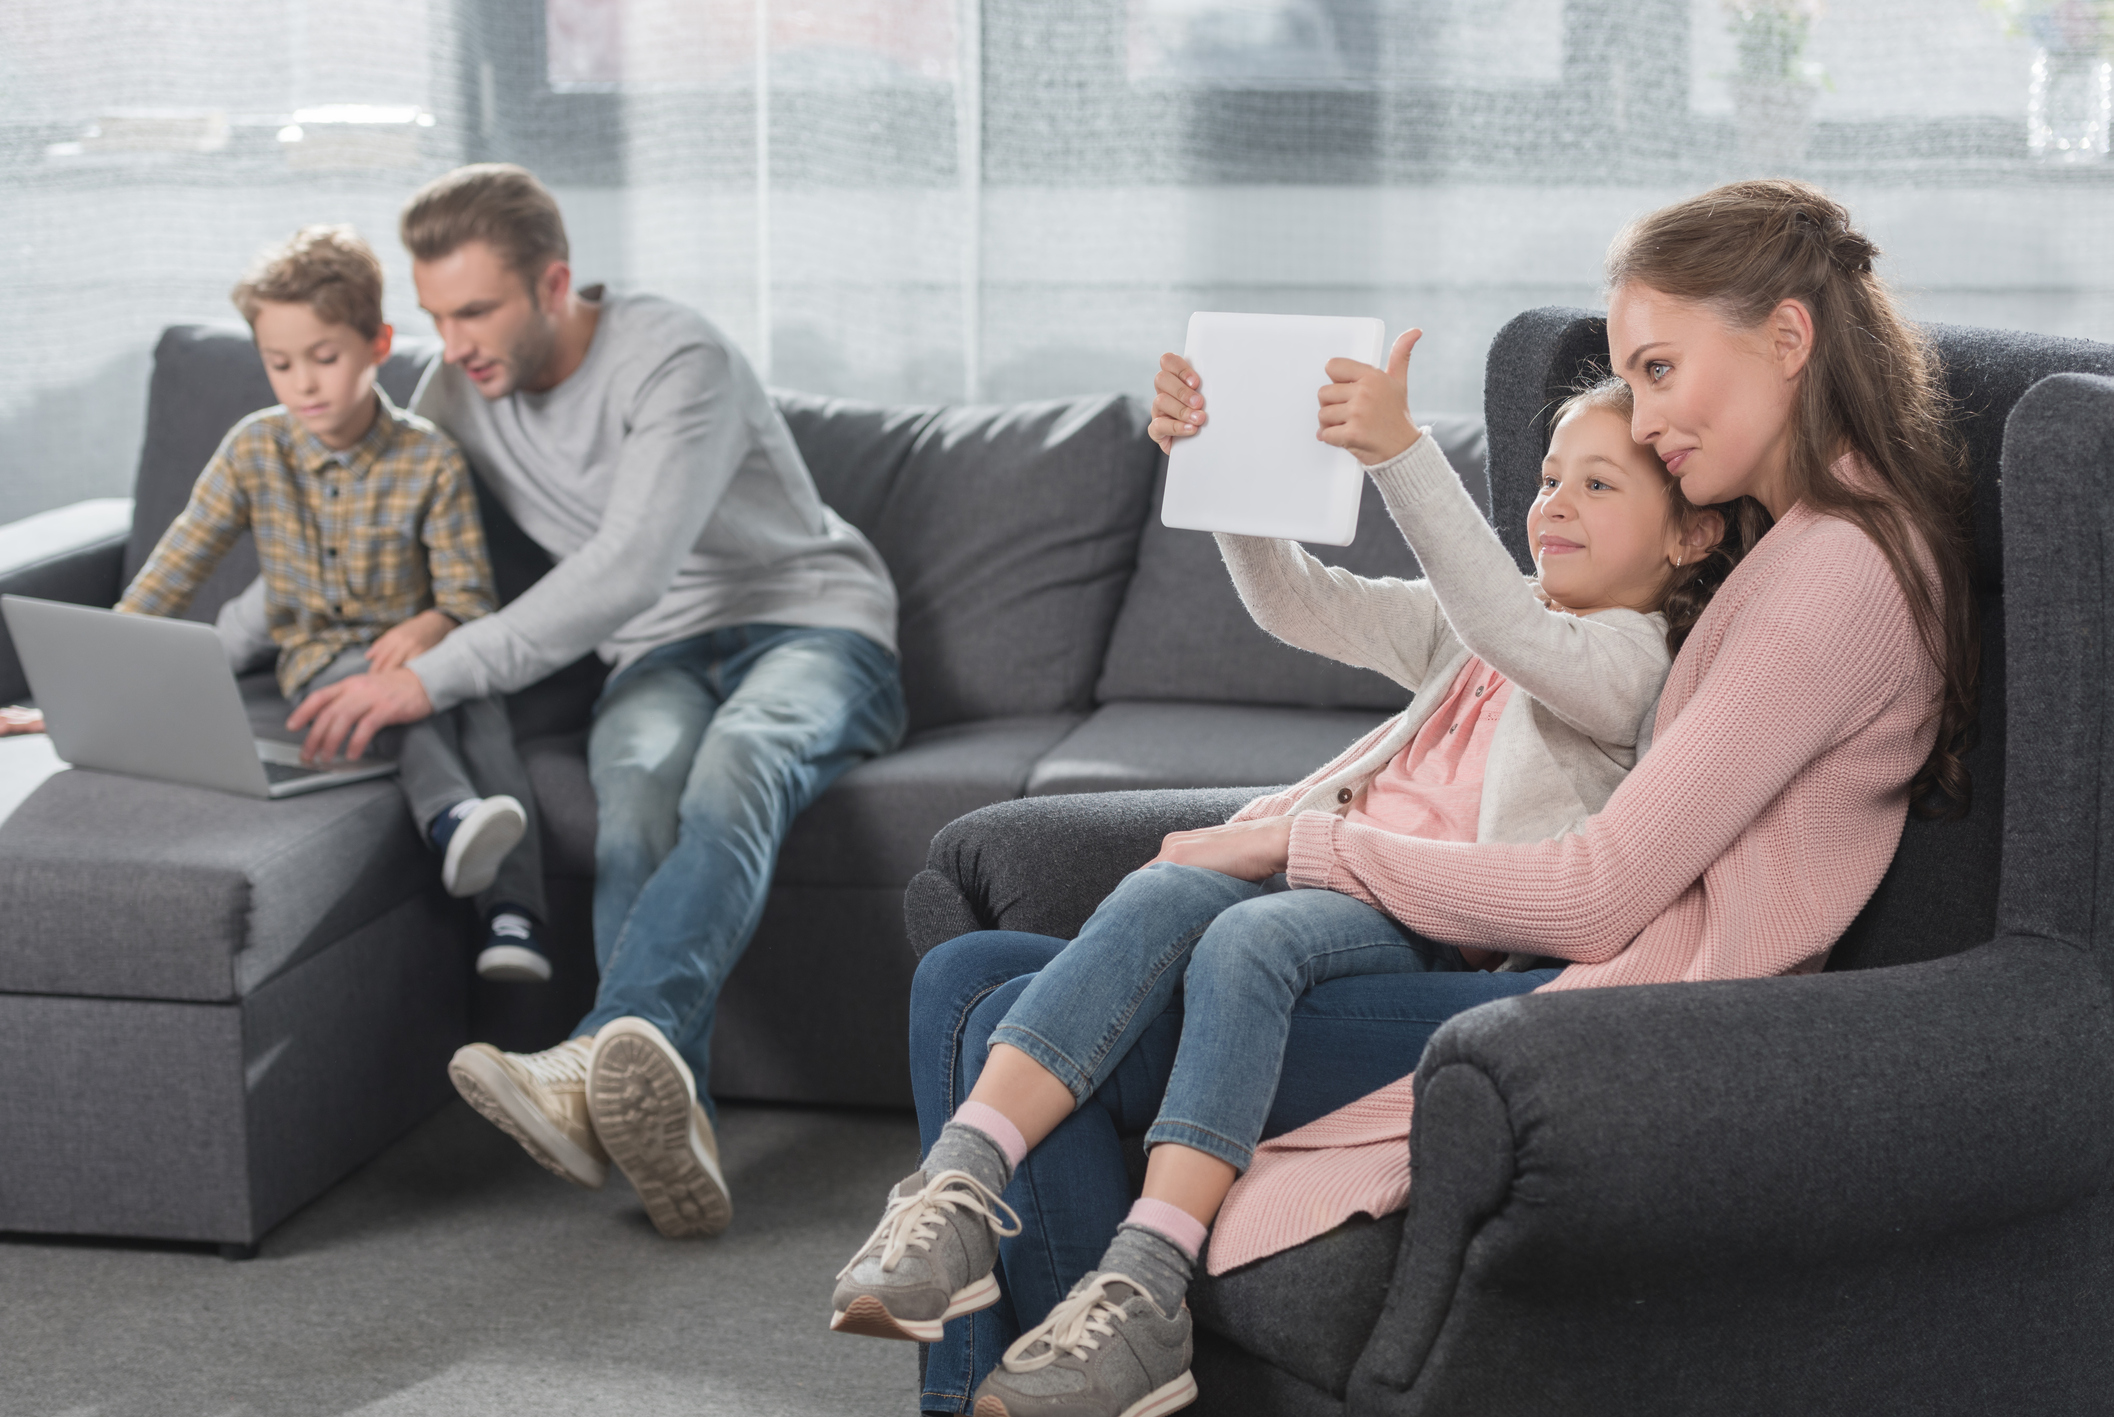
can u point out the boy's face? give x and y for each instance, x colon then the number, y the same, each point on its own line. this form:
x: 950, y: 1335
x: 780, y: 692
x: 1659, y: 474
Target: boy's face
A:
x: 491, y: 322
x: 323, y: 373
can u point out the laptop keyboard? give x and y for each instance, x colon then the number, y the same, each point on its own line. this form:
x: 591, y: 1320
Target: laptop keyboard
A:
x: 287, y: 772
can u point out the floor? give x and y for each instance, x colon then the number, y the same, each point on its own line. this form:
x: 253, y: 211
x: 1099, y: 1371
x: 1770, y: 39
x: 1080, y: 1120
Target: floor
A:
x: 453, y: 1276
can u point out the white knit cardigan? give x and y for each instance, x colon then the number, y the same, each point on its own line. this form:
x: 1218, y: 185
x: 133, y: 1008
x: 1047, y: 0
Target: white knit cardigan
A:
x: 1585, y: 688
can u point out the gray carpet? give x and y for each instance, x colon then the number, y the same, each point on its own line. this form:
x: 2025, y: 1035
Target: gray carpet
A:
x: 453, y: 1276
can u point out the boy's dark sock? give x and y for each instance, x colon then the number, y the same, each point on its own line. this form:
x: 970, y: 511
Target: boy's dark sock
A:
x: 1157, y: 1263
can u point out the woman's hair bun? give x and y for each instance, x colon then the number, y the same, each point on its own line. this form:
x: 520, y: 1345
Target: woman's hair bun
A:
x: 1828, y: 224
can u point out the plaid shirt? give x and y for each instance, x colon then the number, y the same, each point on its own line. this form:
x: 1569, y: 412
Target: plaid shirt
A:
x: 349, y: 548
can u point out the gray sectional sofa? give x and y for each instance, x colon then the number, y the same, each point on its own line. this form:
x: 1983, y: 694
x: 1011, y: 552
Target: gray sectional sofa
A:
x: 1885, y: 1188
x: 211, y: 1008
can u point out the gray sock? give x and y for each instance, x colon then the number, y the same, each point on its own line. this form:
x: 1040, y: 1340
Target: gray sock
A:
x: 1155, y: 1261
x: 962, y: 1147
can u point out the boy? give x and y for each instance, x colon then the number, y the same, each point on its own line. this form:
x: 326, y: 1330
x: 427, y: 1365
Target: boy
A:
x: 367, y: 532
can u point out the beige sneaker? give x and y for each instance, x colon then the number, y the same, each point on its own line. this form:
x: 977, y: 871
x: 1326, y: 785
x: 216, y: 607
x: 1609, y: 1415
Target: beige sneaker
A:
x: 643, y: 1098
x: 540, y: 1100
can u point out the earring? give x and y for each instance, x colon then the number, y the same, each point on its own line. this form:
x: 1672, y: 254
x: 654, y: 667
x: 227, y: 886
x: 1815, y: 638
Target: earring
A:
x: 1679, y: 559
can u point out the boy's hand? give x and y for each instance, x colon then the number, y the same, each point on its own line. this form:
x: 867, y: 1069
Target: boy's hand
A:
x: 358, y: 708
x: 1367, y: 410
x: 403, y: 643
x: 16, y: 719
x: 1249, y: 851
x: 1177, y: 403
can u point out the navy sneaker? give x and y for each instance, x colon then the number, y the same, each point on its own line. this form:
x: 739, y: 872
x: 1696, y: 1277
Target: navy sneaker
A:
x: 473, y: 837
x: 512, y: 953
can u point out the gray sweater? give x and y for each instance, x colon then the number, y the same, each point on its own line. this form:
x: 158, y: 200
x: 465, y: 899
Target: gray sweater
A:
x: 1585, y: 688
x: 662, y: 480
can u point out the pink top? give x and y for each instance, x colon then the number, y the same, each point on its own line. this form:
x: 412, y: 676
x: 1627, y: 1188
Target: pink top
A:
x: 1744, y: 843
x: 1434, y: 786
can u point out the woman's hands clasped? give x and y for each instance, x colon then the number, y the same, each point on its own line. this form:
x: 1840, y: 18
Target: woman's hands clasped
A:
x: 1363, y: 409
x: 1250, y: 851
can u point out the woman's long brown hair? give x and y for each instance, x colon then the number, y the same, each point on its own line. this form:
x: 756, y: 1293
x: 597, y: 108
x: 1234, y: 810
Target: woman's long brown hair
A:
x: 1870, y: 387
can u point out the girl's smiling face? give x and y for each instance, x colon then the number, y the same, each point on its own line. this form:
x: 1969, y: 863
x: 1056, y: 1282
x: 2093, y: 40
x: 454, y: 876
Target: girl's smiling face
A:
x: 1604, y: 528
x: 1716, y: 403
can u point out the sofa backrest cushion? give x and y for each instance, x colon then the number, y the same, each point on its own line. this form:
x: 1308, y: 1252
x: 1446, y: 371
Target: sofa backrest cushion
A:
x: 1939, y: 897
x: 1184, y: 634
x: 205, y: 380
x: 1010, y: 531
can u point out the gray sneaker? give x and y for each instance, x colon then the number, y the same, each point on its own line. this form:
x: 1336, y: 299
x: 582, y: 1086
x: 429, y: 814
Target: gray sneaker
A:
x: 1106, y: 1351
x: 928, y: 1260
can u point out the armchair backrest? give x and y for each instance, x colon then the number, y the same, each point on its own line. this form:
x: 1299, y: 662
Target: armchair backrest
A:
x: 1940, y: 896
x: 2058, y: 462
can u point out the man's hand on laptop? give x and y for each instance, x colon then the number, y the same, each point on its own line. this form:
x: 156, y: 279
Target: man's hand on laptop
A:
x: 356, y: 709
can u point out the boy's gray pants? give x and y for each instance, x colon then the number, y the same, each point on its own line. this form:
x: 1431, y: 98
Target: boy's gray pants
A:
x: 465, y: 751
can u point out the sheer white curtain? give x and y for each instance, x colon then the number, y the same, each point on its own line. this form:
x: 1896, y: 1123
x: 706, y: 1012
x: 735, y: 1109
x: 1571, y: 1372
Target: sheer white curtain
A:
x: 1002, y: 199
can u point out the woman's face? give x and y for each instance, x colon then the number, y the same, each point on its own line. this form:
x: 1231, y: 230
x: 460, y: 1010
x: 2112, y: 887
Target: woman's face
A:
x: 1716, y: 403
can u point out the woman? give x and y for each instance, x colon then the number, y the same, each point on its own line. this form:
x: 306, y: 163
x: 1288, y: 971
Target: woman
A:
x: 1828, y: 686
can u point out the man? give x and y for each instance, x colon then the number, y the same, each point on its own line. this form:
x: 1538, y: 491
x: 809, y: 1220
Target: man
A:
x: 750, y: 628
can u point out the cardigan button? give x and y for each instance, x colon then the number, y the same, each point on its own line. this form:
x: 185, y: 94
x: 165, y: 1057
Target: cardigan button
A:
x: 1479, y: 691
x: 1343, y: 794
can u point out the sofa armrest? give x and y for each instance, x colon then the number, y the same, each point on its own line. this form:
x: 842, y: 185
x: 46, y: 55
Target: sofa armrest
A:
x: 1041, y: 864
x: 1573, y: 1151
x: 75, y: 554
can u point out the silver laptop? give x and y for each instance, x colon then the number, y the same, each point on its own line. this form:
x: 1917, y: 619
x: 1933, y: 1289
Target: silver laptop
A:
x: 150, y: 697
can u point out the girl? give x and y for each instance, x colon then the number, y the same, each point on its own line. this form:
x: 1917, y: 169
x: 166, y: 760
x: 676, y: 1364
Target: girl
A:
x: 1526, y: 717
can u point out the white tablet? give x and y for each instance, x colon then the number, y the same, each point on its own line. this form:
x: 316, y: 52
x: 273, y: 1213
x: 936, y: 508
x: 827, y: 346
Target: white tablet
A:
x: 1257, y: 469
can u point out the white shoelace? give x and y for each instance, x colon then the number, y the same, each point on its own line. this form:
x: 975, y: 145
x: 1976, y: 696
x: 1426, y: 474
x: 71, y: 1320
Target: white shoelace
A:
x: 514, y: 927
x: 1079, y: 1323
x: 565, y: 1063
x: 915, y: 1219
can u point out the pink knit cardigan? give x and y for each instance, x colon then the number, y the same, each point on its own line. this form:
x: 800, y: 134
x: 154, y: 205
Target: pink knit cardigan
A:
x: 1742, y: 846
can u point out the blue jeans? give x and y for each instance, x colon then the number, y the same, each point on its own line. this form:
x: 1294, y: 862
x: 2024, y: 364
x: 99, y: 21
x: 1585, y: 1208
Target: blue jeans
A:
x: 1241, y: 953
x: 702, y: 753
x: 1344, y: 1038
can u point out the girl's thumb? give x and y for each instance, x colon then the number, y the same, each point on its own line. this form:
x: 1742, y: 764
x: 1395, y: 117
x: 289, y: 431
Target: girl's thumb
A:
x: 1398, y: 358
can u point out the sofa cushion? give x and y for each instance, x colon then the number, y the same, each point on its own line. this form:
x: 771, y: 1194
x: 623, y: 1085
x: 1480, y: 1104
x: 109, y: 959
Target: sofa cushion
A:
x: 1308, y: 1310
x: 124, y: 888
x: 1183, y: 633
x: 871, y: 827
x: 205, y: 380
x: 1010, y: 532
x: 1132, y: 746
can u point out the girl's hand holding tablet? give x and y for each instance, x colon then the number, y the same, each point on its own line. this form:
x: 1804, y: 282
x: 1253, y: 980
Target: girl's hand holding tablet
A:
x: 1363, y: 408
x: 1177, y: 404
x: 1367, y: 410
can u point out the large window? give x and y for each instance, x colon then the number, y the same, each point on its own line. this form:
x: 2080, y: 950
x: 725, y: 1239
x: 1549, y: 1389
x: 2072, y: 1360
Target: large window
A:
x: 1004, y: 199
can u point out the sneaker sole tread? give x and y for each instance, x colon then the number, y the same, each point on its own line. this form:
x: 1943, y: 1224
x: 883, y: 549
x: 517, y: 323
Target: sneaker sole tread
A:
x: 641, y: 1110
x: 513, y: 964
x: 868, y: 1317
x: 483, y: 1095
x: 478, y: 847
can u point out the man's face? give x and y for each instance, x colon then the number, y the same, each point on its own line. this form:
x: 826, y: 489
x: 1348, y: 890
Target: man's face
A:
x: 490, y: 320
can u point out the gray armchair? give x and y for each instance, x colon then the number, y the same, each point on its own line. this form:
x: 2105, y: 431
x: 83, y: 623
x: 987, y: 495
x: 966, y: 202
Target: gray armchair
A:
x: 1883, y: 1188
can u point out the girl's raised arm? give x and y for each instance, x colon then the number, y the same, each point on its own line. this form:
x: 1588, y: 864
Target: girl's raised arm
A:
x: 1601, y: 674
